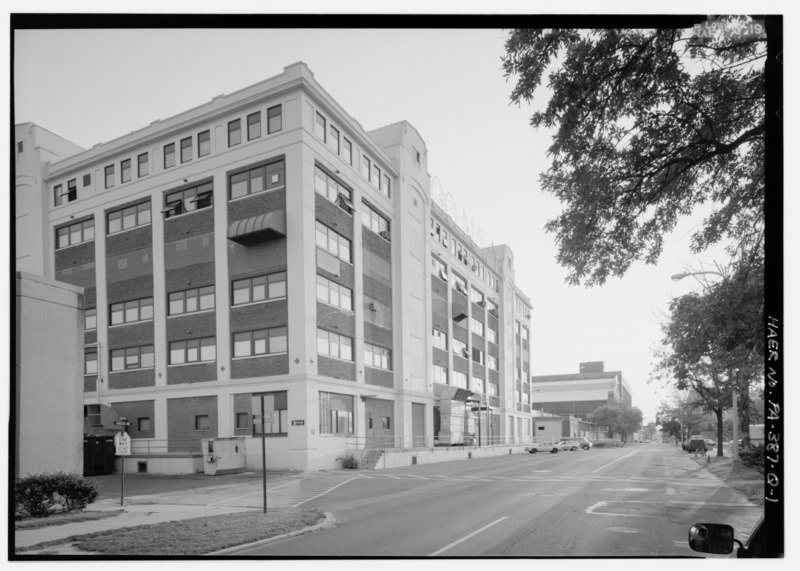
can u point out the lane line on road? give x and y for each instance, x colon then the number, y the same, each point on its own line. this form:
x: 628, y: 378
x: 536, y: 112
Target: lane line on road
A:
x: 325, y: 492
x: 617, y: 460
x: 466, y: 537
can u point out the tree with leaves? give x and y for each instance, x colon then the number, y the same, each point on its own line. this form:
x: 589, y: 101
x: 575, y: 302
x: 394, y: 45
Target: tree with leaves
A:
x: 710, y: 347
x: 618, y: 420
x: 648, y: 125
x: 680, y: 418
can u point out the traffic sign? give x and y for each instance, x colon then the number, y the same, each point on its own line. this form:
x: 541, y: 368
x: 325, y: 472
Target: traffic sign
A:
x: 122, y: 442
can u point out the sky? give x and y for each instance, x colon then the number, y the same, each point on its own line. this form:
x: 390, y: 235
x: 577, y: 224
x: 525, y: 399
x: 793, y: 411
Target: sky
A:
x: 91, y: 86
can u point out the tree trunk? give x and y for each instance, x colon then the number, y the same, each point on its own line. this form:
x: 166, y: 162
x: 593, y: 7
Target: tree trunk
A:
x: 718, y: 413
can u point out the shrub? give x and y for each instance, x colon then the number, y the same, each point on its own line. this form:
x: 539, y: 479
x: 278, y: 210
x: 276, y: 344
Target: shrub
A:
x: 42, y: 495
x: 753, y: 457
x: 349, y: 462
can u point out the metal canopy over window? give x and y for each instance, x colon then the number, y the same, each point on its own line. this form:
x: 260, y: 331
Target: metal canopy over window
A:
x: 258, y: 228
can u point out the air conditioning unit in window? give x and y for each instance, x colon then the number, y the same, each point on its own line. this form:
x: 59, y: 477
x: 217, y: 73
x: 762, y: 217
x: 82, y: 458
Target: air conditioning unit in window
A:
x: 385, y: 235
x: 443, y: 275
x: 372, y: 306
x: 493, y: 312
x: 482, y: 303
x: 465, y: 353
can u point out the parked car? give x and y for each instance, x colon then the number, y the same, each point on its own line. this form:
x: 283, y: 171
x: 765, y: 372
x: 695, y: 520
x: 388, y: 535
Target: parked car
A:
x: 567, y: 445
x: 710, y: 443
x: 540, y: 445
x: 581, y: 441
x: 697, y: 445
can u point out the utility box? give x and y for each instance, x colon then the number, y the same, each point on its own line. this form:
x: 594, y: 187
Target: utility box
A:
x: 223, y: 455
x: 98, y: 455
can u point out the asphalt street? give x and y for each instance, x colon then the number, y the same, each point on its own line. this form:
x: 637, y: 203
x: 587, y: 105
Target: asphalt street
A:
x: 634, y: 501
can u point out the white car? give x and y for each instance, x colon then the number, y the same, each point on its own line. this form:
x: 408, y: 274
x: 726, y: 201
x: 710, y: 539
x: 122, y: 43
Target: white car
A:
x: 539, y: 445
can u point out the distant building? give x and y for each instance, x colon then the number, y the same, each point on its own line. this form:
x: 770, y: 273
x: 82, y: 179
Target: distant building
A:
x: 265, y: 243
x: 578, y: 394
x: 49, y: 369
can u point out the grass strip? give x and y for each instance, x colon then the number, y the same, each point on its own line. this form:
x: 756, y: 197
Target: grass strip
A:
x: 195, y: 536
x: 62, y: 519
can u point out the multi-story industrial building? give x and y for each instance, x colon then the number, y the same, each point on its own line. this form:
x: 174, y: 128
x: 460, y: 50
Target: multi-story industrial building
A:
x: 265, y: 244
x: 578, y: 394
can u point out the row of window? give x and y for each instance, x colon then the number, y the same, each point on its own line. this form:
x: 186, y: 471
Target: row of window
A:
x: 459, y: 379
x: 274, y: 122
x: 463, y: 255
x: 333, y: 242
x: 271, y: 341
x: 336, y: 416
x: 69, y: 193
x: 341, y: 145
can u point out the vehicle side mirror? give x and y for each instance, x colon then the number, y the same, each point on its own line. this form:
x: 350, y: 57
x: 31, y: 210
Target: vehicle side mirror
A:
x: 711, y: 538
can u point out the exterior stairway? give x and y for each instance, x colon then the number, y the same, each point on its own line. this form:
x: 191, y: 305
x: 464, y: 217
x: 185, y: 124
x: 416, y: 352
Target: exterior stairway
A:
x: 370, y: 458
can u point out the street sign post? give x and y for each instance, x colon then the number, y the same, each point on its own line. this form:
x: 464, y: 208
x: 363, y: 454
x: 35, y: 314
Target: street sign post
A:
x: 122, y: 444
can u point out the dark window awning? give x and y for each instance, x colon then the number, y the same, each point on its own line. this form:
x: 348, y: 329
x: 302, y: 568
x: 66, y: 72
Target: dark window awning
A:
x: 258, y: 228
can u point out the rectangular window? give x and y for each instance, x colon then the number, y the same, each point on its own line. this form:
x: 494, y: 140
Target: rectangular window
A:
x: 376, y: 176
x: 202, y: 422
x: 334, y: 345
x: 476, y: 326
x: 259, y: 288
x: 477, y: 356
x: 59, y: 195
x: 319, y: 127
x: 254, y: 126
x: 186, y: 150
x: 334, y: 294
x: 109, y: 176
x: 377, y: 357
x: 144, y: 424
x: 327, y: 186
x: 188, y: 200
x: 257, y: 179
x: 477, y: 385
x: 386, y: 188
x: 440, y: 339
x: 459, y: 284
x: 125, y: 171
x: 128, y: 217
x: 131, y: 311
x: 193, y: 351
x: 191, y: 300
x: 459, y: 379
x: 72, y: 190
x: 132, y: 358
x: 476, y: 296
x: 438, y: 269
x: 332, y: 242
x: 90, y: 362
x: 234, y: 132
x: 459, y: 348
x: 87, y: 180
x: 90, y: 319
x: 276, y: 414
x: 169, y: 155
x: 491, y: 334
x: 336, y: 413
x: 491, y: 362
x: 143, y: 165
x: 440, y: 374
x: 75, y: 234
x: 376, y: 222
x: 243, y: 420
x: 524, y: 333
x: 347, y: 151
x: 274, y: 119
x: 203, y: 143
x: 366, y: 166
x: 333, y: 139
x: 272, y: 341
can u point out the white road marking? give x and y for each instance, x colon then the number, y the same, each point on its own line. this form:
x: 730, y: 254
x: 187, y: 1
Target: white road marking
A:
x: 624, y: 529
x: 590, y: 509
x: 323, y: 493
x: 613, y: 461
x: 466, y: 537
x: 627, y: 490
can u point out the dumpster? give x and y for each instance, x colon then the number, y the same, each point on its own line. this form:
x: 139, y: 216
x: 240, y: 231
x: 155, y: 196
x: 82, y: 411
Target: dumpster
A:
x: 223, y: 455
x: 98, y: 455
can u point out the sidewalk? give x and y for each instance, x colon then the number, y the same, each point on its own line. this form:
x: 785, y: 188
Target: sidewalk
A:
x: 204, y: 497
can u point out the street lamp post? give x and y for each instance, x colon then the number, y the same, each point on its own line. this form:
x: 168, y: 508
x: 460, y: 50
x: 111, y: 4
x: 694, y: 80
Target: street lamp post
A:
x: 735, y: 391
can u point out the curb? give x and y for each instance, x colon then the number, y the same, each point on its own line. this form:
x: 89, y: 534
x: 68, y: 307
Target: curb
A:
x: 329, y: 521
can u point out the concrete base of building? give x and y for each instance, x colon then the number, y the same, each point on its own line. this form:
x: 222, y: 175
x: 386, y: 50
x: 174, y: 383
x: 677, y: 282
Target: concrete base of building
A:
x: 161, y: 464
